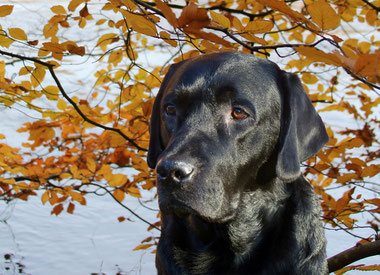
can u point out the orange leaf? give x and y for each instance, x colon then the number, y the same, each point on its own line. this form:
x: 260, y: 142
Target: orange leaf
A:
x: 5, y: 10
x: 220, y: 19
x: 281, y: 6
x: 74, y: 4
x: 76, y: 50
x: 259, y: 26
x: 168, y: 13
x: 118, y: 180
x: 17, y: 33
x: 119, y: 195
x: 166, y: 37
x: 70, y: 208
x: 323, y: 15
x: 140, y: 23
x: 193, y: 17
x: 57, y: 209
x: 142, y: 246
x: 319, y: 56
x: 59, y: 9
x: 342, y: 203
x: 45, y: 196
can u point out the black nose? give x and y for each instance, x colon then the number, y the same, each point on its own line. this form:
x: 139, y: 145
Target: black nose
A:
x: 177, y: 171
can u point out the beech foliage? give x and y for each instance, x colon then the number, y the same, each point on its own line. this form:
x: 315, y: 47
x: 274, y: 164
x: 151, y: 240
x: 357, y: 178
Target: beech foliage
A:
x: 90, y: 126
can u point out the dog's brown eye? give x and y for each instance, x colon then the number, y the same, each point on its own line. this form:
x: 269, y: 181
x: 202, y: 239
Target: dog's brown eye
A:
x: 170, y: 110
x: 238, y: 113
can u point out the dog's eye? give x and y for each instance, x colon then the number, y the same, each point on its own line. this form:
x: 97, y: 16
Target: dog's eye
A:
x: 238, y: 113
x: 170, y: 110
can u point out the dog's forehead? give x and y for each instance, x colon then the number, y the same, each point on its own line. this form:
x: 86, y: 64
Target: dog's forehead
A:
x: 230, y: 70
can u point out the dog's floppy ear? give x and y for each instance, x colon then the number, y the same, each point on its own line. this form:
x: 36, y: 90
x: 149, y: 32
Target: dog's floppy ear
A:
x: 155, y: 146
x: 302, y: 132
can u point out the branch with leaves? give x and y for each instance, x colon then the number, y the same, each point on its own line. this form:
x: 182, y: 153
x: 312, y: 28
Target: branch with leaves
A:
x: 94, y: 132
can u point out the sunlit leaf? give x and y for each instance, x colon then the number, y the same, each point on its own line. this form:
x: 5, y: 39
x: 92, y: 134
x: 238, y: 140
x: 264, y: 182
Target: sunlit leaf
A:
x: 5, y: 10
x: 117, y: 180
x: 59, y: 9
x: 259, y: 26
x: 323, y: 15
x: 220, y: 19
x: 18, y: 33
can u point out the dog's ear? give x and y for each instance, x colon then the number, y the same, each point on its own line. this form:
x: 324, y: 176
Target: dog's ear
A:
x: 302, y: 132
x: 155, y: 144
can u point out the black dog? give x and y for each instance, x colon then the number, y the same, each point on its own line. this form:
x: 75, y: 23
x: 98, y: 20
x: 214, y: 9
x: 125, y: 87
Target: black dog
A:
x: 228, y: 133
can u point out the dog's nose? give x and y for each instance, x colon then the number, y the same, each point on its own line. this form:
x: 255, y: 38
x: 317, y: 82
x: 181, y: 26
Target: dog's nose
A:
x: 177, y: 171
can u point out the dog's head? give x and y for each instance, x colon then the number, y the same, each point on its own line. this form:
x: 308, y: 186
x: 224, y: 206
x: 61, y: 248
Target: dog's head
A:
x: 218, y: 119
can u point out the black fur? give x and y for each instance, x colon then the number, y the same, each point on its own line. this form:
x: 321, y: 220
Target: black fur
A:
x: 232, y: 196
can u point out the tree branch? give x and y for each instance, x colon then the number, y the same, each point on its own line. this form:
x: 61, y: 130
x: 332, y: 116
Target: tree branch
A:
x: 353, y: 254
x: 372, y: 5
x: 65, y: 95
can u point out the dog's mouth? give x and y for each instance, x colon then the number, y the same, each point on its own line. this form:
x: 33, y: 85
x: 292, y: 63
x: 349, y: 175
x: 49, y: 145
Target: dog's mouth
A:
x: 181, y: 210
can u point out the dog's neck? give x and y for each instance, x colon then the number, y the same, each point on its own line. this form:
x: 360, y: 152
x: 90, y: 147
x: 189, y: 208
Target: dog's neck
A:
x: 243, y: 233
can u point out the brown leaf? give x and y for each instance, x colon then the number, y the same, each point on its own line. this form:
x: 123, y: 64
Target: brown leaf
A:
x: 193, y: 17
x: 168, y: 13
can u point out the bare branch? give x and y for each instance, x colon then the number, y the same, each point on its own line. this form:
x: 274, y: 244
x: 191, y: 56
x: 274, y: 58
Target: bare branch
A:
x: 353, y: 254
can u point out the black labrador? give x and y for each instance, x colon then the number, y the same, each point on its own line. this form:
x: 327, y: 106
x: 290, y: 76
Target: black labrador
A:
x: 228, y: 133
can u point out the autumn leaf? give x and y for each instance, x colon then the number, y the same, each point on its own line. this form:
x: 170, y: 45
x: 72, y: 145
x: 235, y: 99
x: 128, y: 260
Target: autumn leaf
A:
x: 5, y: 10
x: 119, y: 195
x: 74, y: 4
x: 17, y: 33
x: 323, y: 15
x: 220, y: 19
x: 168, y: 13
x: 59, y: 9
x: 319, y: 56
x: 118, y: 180
x: 259, y: 26
x: 193, y: 18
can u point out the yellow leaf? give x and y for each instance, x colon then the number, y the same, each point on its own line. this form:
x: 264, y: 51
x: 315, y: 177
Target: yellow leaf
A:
x: 17, y: 33
x: 74, y: 171
x: 140, y: 23
x: 45, y: 197
x: 281, y: 6
x: 237, y: 24
x: 76, y: 196
x: 319, y: 56
x: 142, y: 247
x: 259, y: 26
x: 116, y: 139
x: 2, y: 136
x: 74, y: 4
x: 134, y: 192
x: 59, y: 9
x: 166, y: 37
x: 119, y: 195
x: 106, y: 39
x: 117, y: 180
x: 25, y: 70
x: 37, y: 76
x: 62, y: 105
x: 220, y: 19
x: 5, y: 41
x: 309, y: 78
x: 51, y: 92
x: 323, y: 15
x: 5, y: 10
x: 91, y: 165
